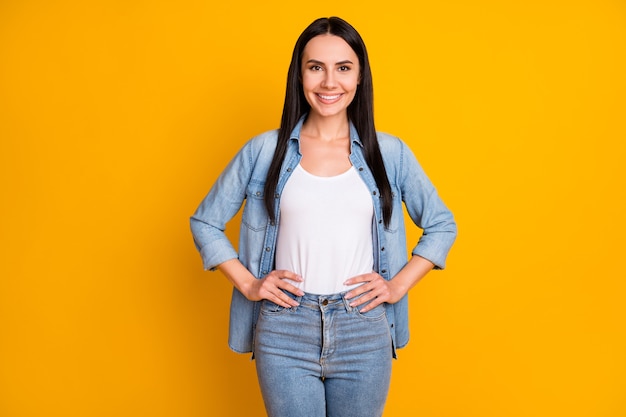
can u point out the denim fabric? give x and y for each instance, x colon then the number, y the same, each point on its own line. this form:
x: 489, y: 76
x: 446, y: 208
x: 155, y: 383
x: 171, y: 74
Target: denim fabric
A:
x: 323, y: 358
x: 244, y: 180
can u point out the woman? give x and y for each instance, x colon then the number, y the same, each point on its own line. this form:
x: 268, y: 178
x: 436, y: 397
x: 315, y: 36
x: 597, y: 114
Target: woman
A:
x: 321, y: 276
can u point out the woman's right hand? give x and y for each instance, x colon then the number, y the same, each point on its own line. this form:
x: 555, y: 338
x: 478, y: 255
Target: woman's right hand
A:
x: 271, y: 287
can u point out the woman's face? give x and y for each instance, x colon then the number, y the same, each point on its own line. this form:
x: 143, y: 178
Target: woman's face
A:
x: 330, y: 75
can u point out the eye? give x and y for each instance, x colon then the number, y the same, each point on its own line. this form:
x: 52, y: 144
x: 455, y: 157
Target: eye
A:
x: 344, y: 68
x: 315, y: 68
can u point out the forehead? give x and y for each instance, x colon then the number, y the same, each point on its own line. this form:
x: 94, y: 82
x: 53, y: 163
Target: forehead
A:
x: 328, y: 48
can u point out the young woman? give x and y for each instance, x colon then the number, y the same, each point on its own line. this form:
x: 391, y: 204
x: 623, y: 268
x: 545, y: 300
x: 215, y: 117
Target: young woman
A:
x: 321, y: 276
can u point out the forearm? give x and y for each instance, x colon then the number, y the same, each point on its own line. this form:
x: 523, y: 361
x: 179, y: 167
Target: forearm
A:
x: 409, y: 276
x: 238, y: 275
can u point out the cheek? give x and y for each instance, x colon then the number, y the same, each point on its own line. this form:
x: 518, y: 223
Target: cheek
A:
x: 307, y: 88
x: 351, y: 82
x: 353, y: 85
x: 308, y: 83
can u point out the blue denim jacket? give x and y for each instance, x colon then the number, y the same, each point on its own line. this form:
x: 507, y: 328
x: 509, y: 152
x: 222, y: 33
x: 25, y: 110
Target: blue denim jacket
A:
x: 244, y: 179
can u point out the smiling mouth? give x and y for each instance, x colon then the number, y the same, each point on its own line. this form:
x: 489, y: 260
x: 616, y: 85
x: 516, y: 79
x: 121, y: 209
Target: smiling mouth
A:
x: 328, y: 97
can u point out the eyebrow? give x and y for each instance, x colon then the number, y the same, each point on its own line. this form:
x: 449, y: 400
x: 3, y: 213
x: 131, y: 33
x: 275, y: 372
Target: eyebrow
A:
x: 315, y: 61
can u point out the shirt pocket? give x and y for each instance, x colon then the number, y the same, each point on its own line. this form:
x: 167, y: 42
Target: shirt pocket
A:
x: 254, y: 215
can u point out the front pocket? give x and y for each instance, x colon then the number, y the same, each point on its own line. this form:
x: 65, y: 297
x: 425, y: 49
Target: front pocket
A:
x: 270, y: 308
x: 375, y: 314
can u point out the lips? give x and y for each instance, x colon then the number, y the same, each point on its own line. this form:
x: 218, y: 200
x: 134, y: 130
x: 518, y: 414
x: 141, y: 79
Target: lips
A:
x: 329, y: 97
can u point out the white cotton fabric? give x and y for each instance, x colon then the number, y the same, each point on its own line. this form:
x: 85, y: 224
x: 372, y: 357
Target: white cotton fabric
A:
x: 325, y: 230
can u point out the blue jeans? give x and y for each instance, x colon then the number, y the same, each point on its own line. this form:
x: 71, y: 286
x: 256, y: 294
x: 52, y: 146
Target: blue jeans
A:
x: 323, y: 358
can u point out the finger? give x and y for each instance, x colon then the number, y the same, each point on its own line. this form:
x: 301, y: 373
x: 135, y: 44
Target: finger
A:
x: 366, y: 297
x: 375, y: 289
x: 371, y: 300
x: 362, y: 289
x: 375, y: 303
x: 269, y: 290
x: 284, y: 274
x: 380, y: 296
x: 292, y: 289
x: 366, y: 279
x: 278, y: 288
x: 370, y: 282
x: 358, y: 279
x: 283, y: 283
x: 283, y: 300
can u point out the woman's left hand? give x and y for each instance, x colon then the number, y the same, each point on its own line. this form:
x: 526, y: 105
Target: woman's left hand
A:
x: 378, y: 290
x: 375, y: 289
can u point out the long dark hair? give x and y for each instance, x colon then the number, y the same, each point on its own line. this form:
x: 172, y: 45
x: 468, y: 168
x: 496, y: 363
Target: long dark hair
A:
x: 360, y: 111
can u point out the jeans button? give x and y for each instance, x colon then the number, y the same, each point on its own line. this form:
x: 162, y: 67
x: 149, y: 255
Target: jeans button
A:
x: 325, y: 302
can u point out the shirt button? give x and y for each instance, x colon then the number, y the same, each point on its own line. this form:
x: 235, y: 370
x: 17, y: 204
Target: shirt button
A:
x: 374, y: 193
x: 267, y: 249
x: 383, y: 271
x: 360, y: 168
x: 258, y: 193
x: 288, y: 169
x: 276, y: 195
x: 382, y: 249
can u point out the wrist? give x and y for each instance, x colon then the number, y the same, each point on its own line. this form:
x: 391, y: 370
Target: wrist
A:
x: 397, y: 290
x: 239, y: 276
x: 245, y: 287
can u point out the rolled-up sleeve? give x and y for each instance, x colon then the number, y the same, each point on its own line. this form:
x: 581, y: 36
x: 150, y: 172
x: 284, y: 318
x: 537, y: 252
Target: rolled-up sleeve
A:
x: 427, y: 211
x: 223, y: 201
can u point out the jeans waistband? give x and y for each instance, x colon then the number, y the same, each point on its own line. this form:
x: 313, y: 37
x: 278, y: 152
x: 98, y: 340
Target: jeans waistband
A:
x: 324, y: 301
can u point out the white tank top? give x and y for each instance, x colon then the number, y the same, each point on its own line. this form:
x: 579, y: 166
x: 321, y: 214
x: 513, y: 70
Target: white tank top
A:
x: 325, y: 230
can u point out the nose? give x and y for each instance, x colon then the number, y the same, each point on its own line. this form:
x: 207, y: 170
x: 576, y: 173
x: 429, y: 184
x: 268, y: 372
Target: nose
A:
x: 329, y: 80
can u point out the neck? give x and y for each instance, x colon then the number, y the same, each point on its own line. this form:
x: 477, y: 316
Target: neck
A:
x: 327, y: 128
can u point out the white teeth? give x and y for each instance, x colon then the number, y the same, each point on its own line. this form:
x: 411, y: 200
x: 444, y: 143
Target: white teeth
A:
x: 329, y: 97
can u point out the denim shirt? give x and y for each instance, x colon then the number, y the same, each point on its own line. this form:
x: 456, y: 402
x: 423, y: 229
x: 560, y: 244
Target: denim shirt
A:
x: 244, y: 180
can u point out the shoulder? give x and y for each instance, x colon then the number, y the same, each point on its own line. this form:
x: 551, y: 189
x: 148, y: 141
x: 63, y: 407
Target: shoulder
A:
x: 390, y: 146
x: 261, y: 146
x: 398, y: 157
x: 263, y: 140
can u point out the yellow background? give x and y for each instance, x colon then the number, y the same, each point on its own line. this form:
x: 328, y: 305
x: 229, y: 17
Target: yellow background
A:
x: 116, y: 117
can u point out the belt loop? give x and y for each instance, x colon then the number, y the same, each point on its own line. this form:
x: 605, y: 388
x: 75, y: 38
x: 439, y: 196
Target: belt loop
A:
x: 346, y: 303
